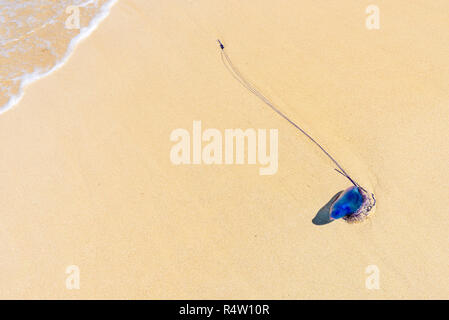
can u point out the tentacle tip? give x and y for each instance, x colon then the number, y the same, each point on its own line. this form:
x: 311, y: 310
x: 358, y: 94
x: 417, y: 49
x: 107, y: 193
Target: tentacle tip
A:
x: 221, y: 44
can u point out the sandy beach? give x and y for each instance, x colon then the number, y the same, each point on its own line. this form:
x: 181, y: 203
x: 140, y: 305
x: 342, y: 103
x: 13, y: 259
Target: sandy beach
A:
x: 87, y: 178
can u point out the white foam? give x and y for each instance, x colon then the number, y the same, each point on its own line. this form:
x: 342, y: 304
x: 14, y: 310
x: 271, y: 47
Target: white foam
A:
x: 85, y: 32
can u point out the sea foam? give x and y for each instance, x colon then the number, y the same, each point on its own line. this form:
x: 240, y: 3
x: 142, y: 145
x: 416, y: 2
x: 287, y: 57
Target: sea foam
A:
x: 34, y: 40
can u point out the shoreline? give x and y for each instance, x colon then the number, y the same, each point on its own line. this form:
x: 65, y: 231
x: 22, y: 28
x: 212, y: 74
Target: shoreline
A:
x: 29, y: 78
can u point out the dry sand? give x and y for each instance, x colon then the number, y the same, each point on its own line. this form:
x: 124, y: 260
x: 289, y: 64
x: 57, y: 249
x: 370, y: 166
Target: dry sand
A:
x: 87, y: 179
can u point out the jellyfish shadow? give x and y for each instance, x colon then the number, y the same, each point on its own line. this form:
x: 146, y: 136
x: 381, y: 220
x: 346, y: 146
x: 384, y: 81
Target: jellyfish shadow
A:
x: 323, y: 217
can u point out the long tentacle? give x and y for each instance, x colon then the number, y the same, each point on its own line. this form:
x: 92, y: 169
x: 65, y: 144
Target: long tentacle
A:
x: 239, y: 77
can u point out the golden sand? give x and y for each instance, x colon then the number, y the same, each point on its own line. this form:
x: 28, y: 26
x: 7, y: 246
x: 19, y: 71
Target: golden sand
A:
x: 87, y: 179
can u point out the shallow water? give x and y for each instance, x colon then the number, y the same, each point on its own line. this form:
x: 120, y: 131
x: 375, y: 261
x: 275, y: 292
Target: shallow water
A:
x: 36, y: 36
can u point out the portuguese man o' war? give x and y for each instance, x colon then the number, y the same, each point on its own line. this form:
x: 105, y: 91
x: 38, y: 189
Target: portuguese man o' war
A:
x: 353, y: 204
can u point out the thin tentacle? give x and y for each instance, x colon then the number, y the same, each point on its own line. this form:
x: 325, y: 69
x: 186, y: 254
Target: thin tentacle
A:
x: 239, y: 77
